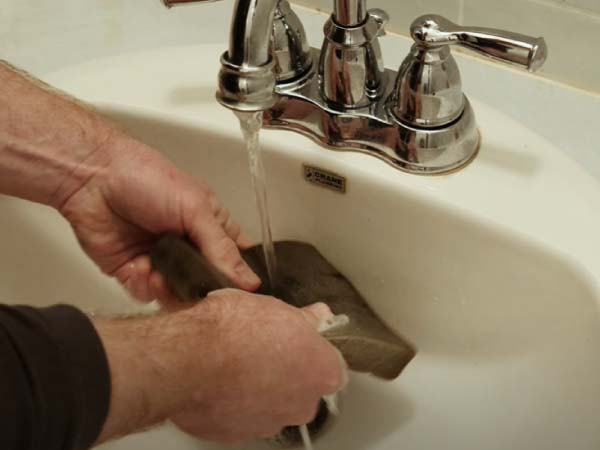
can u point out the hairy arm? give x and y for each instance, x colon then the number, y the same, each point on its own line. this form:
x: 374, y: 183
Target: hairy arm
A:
x: 235, y: 367
x: 49, y: 145
x: 238, y: 366
x: 118, y: 194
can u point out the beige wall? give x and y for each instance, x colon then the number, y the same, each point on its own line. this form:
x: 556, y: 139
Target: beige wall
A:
x: 41, y: 35
x: 571, y: 27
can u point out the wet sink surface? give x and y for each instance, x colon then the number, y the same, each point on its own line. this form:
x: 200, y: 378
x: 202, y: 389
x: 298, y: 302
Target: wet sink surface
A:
x: 495, y: 285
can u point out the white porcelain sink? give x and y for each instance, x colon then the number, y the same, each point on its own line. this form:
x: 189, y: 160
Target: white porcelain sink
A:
x: 492, y: 272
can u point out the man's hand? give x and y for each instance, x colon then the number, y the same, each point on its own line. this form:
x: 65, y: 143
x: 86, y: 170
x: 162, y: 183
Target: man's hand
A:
x: 118, y: 194
x: 235, y: 367
x: 136, y: 196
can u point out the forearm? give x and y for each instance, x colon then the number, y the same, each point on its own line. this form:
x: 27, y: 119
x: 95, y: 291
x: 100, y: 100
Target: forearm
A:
x: 49, y: 145
x: 147, y: 360
x: 133, y: 405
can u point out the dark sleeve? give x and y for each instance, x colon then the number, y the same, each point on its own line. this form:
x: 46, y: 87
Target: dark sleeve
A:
x: 54, y: 379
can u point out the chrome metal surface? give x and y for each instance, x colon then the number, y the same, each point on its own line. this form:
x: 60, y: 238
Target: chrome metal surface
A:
x: 247, y: 75
x: 428, y: 89
x: 428, y: 93
x: 267, y: 43
x: 349, y: 13
x: 251, y: 29
x: 421, y: 123
x: 246, y: 88
x: 525, y: 51
x: 351, y: 64
x: 290, y: 47
x: 372, y: 129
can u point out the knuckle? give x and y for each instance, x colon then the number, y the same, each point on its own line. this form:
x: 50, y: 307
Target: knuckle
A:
x: 196, y: 200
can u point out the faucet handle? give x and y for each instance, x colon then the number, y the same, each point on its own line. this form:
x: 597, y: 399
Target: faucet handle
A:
x: 432, y: 31
x: 428, y: 91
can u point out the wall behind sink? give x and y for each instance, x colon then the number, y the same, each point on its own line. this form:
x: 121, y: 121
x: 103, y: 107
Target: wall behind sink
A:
x: 571, y: 27
x: 42, y: 35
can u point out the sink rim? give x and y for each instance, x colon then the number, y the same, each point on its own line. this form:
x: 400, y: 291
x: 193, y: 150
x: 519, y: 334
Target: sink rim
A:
x: 407, y: 392
x: 564, y: 194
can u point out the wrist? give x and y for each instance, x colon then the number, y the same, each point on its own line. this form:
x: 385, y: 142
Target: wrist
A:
x: 93, y: 155
x: 106, y: 174
x: 157, y: 364
x: 135, y: 402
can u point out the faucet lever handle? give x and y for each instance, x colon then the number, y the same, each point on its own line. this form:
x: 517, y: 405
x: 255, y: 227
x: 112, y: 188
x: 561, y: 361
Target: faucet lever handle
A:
x: 431, y: 31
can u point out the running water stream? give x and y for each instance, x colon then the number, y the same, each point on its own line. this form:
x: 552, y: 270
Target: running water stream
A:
x: 251, y: 123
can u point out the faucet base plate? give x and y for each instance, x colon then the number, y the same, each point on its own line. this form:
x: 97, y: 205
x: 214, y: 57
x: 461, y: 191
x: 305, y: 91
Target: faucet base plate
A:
x: 374, y: 130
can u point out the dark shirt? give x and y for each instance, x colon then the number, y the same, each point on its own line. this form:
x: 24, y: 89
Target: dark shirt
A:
x: 54, y: 379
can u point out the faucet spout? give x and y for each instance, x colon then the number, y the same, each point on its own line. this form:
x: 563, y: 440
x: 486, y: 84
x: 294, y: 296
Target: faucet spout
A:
x: 422, y: 123
x: 251, y: 29
x: 247, y: 79
x: 267, y: 44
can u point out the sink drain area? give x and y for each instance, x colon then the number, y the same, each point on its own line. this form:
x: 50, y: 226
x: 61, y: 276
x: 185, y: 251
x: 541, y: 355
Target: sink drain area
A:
x: 290, y: 437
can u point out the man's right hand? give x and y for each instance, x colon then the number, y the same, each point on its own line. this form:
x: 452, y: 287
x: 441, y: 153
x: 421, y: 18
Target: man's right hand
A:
x: 235, y: 367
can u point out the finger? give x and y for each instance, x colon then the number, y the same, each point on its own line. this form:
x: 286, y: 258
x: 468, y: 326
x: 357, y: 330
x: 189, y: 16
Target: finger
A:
x: 160, y: 291
x: 269, y: 432
x: 138, y: 282
x: 221, y: 251
x: 319, y: 315
x: 221, y: 214
x: 234, y: 231
x: 345, y: 375
x: 243, y: 241
x: 124, y: 273
x: 232, y: 228
x: 306, y: 414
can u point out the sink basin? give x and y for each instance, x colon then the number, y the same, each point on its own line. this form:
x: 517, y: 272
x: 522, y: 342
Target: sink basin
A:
x: 492, y: 272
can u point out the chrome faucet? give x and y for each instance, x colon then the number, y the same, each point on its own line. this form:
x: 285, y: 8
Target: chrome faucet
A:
x: 341, y: 96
